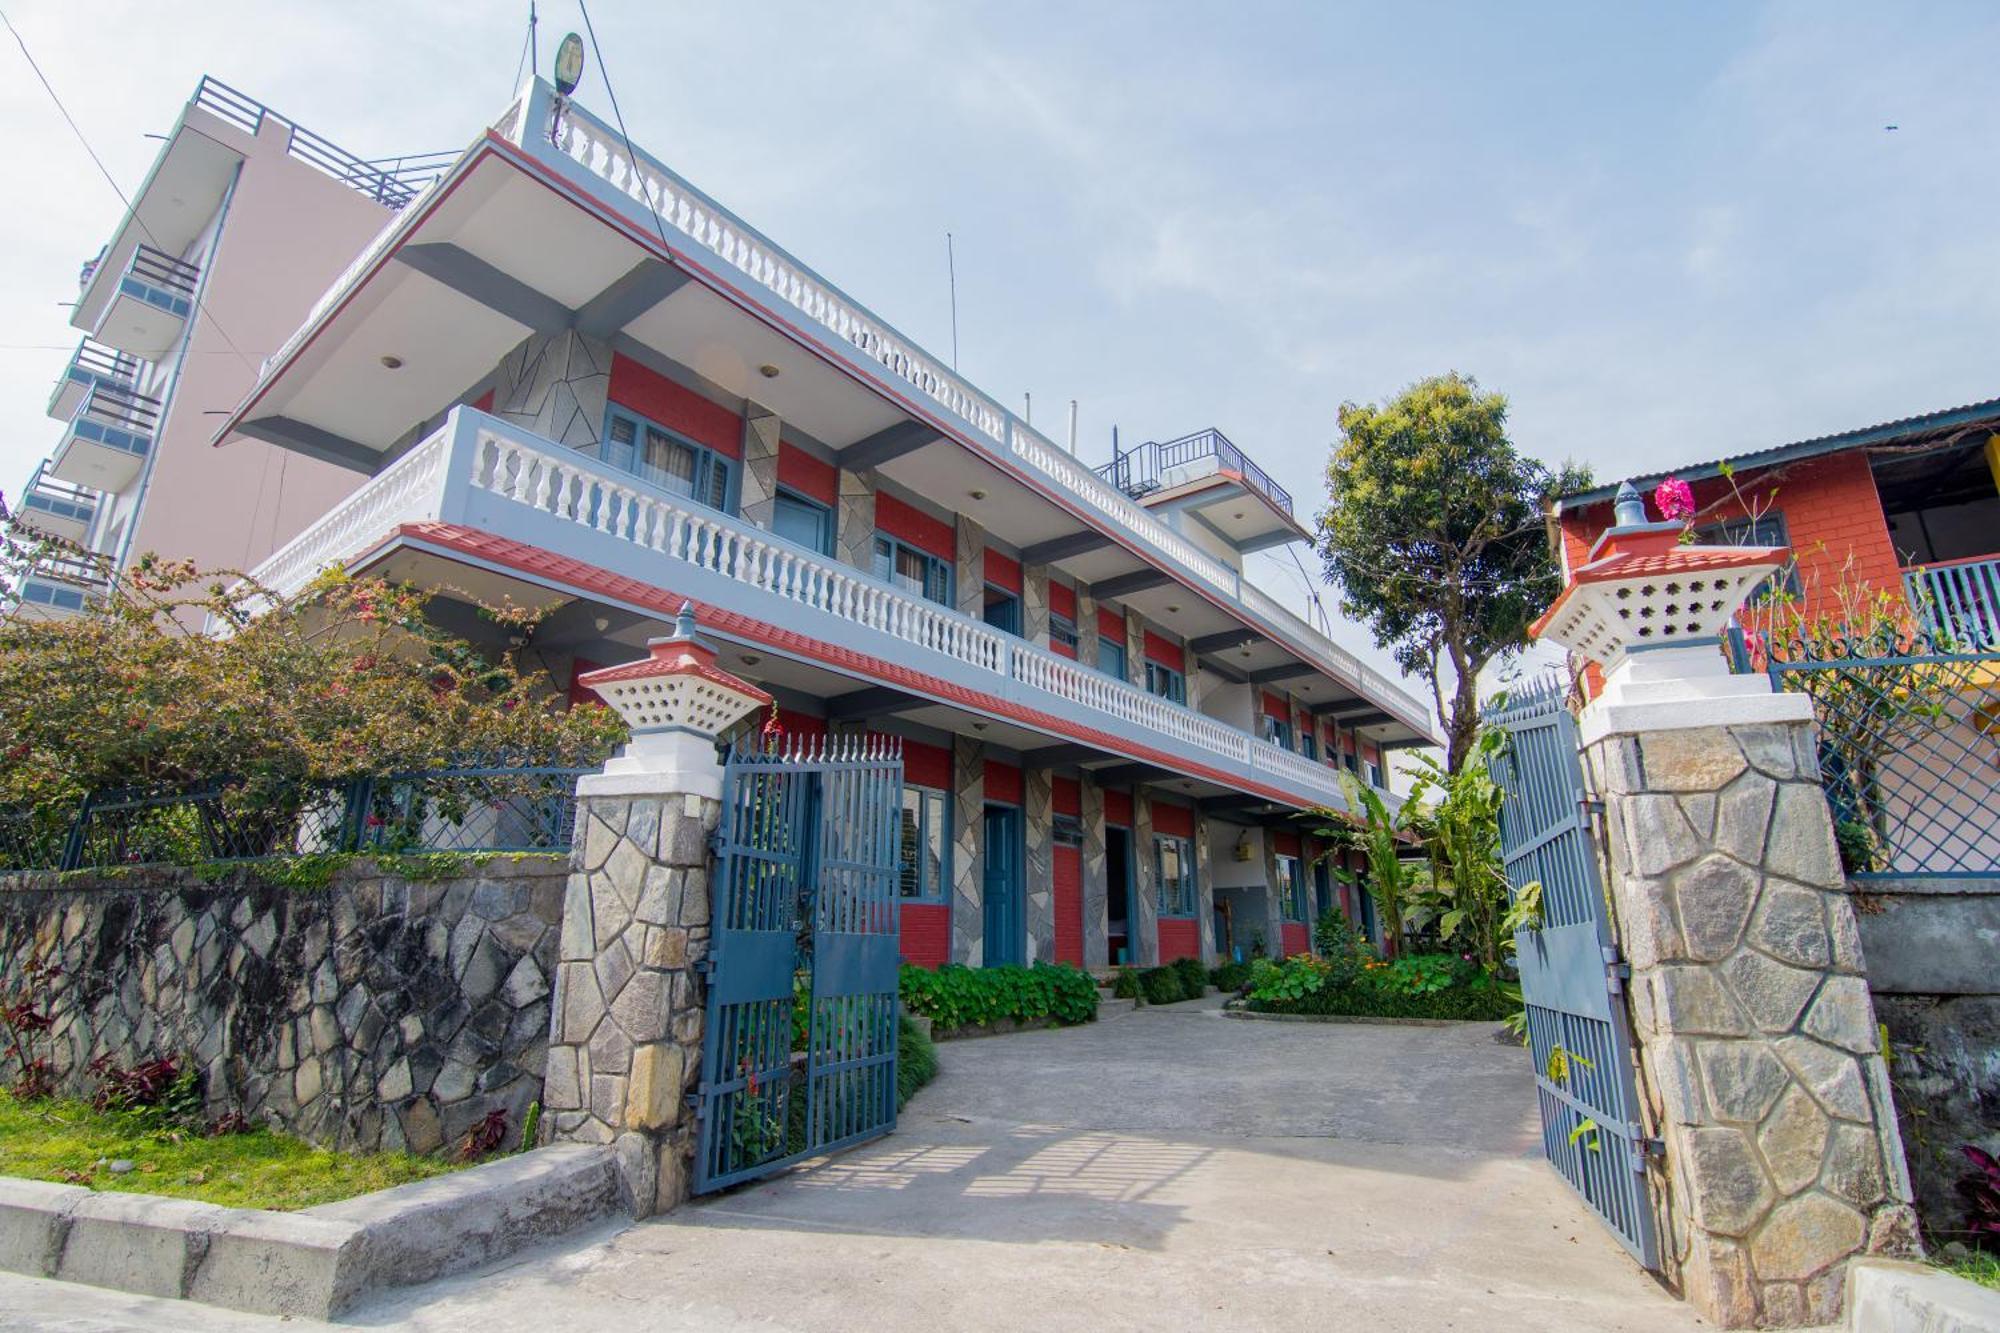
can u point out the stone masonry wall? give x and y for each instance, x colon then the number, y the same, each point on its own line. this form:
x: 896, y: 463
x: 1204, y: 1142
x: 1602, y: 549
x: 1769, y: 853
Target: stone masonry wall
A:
x: 1758, y: 1041
x: 374, y: 1013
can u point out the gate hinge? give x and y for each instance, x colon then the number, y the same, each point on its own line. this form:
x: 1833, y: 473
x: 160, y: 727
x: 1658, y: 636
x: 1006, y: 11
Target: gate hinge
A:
x: 1648, y: 1148
x: 1590, y: 805
x: 1616, y: 971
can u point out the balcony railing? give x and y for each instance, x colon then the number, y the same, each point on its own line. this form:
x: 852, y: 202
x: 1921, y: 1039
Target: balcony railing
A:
x: 58, y: 587
x: 56, y: 508
x: 392, y: 182
x: 108, y: 439
x: 1155, y: 466
x: 90, y: 365
x: 589, y: 146
x: 1958, y: 600
x: 482, y: 472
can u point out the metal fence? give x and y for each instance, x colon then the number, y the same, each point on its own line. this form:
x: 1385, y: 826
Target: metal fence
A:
x: 1909, y: 752
x: 497, y: 809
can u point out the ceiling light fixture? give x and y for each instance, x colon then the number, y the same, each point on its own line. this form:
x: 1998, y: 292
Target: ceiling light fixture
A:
x: 1173, y: 610
x: 751, y: 659
x: 977, y: 495
x: 392, y: 362
x: 768, y: 371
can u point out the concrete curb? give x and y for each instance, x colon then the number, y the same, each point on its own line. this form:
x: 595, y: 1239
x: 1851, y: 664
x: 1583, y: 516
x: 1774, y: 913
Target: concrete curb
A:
x: 1888, y: 1296
x: 317, y: 1262
x: 1360, y: 1018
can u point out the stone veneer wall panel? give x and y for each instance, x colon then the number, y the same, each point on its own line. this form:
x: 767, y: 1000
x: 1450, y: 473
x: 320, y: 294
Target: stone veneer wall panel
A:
x: 1096, y: 881
x: 854, y: 520
x: 376, y: 1013
x: 1757, y: 1039
x: 1204, y: 881
x: 1039, y: 815
x: 1143, y: 914
x: 968, y: 851
x: 757, y: 499
x: 557, y: 385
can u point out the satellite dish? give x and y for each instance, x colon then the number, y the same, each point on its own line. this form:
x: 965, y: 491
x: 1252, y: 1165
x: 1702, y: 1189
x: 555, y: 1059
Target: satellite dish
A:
x: 569, y: 64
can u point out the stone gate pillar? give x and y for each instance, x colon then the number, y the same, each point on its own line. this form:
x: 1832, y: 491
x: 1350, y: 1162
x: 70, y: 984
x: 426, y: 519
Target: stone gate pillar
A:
x: 1759, y: 1056
x: 627, y: 1023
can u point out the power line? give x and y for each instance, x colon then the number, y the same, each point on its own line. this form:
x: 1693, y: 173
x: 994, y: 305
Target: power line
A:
x: 631, y: 154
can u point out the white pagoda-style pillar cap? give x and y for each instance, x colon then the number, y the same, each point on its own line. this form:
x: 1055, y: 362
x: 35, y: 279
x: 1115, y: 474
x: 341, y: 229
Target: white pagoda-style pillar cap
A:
x: 677, y: 702
x: 1651, y: 611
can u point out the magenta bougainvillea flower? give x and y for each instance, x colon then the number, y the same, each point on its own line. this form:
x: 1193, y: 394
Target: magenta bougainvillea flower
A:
x: 1675, y: 499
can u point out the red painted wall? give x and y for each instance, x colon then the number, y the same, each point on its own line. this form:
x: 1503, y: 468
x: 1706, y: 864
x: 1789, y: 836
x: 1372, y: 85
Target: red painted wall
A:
x: 1163, y: 650
x: 1111, y: 625
x: 1118, y: 808
x: 1286, y: 844
x: 484, y: 402
x: 583, y: 694
x: 926, y: 934
x: 912, y: 525
x: 1294, y: 938
x: 654, y: 396
x: 807, y: 475
x: 1179, y: 938
x: 1003, y: 571
x: 1003, y: 782
x: 801, y: 724
x: 926, y: 765
x: 1067, y: 879
x: 1067, y: 796
x: 1176, y: 821
x: 1275, y: 706
x: 1062, y: 599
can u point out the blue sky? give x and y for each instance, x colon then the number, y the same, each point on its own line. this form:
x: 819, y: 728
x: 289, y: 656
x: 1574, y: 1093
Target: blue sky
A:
x: 1666, y: 232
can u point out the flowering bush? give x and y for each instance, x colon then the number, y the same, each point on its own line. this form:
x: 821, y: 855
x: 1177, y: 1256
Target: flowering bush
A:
x: 1675, y: 500
x: 346, y: 679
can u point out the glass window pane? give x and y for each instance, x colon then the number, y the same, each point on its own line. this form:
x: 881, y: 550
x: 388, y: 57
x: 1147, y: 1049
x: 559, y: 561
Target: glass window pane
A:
x: 933, y: 870
x: 912, y: 846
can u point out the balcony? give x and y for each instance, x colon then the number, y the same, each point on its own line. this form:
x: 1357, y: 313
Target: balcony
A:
x: 108, y: 439
x: 90, y: 365
x: 58, y: 588
x: 1958, y: 601
x: 489, y: 479
x: 56, y: 508
x: 150, y: 306
x: 1205, y: 475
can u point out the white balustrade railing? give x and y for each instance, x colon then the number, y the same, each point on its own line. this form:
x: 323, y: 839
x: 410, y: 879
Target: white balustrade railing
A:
x: 1295, y: 769
x: 407, y: 491
x: 1126, y: 702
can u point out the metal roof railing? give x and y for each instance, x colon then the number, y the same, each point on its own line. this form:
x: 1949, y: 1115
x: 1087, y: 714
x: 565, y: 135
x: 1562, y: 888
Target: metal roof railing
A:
x: 390, y: 181
x: 1148, y: 467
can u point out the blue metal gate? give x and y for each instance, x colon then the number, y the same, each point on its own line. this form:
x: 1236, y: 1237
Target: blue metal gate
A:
x: 800, y: 1052
x: 1571, y: 975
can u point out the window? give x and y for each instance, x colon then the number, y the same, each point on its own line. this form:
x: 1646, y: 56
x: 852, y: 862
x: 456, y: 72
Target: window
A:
x: 653, y: 454
x: 1764, y: 530
x: 1278, y: 731
x: 1291, y: 889
x: 1166, y: 682
x: 1173, y: 871
x: 924, y: 843
x: 912, y: 570
x: 807, y: 522
x: 1062, y: 631
x: 1309, y: 745
x: 1353, y: 764
x: 1068, y: 831
x: 1003, y: 610
x: 1111, y: 658
x: 1375, y: 777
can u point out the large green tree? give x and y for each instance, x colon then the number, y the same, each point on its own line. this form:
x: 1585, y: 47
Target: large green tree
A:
x: 1435, y: 533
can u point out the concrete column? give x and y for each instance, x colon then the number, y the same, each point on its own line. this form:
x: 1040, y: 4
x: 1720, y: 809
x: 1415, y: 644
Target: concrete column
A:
x: 1096, y: 878
x: 759, y: 494
x: 968, y: 851
x: 557, y: 385
x: 1135, y: 649
x: 1191, y: 669
x: 1086, y: 626
x: 1035, y: 604
x: 1039, y: 792
x: 854, y: 520
x: 1274, y: 909
x: 1758, y: 1044
x: 1204, y: 890
x: 1144, y: 914
x: 971, y: 568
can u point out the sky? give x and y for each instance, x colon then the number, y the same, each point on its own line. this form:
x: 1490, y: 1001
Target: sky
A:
x: 1666, y: 233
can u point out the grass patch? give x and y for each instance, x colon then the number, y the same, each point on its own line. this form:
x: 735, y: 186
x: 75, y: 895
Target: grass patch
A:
x: 1975, y: 1266
x: 71, y: 1143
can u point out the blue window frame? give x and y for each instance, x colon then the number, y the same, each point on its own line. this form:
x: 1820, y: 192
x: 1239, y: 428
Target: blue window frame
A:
x: 1353, y: 763
x: 1173, y: 871
x: 1375, y: 777
x: 1308, y: 745
x: 1062, y: 630
x: 1278, y: 731
x: 670, y: 461
x: 926, y: 848
x: 1291, y: 888
x: 1003, y: 610
x: 913, y: 570
x: 1166, y: 682
x: 807, y: 522
x: 1111, y: 658
x: 1764, y: 530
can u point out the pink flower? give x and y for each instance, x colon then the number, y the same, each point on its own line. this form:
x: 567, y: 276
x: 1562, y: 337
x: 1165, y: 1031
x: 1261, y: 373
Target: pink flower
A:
x: 1675, y: 499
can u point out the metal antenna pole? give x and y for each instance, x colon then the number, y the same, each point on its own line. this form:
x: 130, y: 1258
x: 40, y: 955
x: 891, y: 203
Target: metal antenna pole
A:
x: 534, y: 47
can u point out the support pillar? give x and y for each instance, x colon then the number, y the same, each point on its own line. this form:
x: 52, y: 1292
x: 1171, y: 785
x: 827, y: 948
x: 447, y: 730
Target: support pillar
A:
x: 968, y: 851
x: 1204, y: 891
x: 758, y: 499
x: 854, y: 520
x: 1096, y: 877
x: 1143, y: 912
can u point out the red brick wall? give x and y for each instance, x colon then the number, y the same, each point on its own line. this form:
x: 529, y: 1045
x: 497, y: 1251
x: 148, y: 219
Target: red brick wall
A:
x: 654, y: 396
x: 1179, y: 938
x: 807, y: 475
x: 1161, y: 649
x: 1275, y: 706
x: 1111, y: 625
x: 926, y: 765
x: 1294, y: 938
x: 1003, y: 782
x: 1062, y: 600
x: 926, y: 937
x: 1067, y: 796
x: 909, y: 524
x: 1118, y: 808
x: 1176, y: 821
x: 1003, y: 571
x: 1067, y: 881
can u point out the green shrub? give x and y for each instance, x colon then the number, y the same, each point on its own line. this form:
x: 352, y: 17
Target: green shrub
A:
x: 1231, y: 977
x: 1127, y: 987
x: 1419, y: 986
x: 1161, y: 985
x: 916, y: 1060
x: 956, y: 996
x: 1194, y: 977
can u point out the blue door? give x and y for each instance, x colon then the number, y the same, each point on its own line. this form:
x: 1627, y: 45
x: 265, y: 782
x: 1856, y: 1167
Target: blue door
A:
x: 1004, y: 942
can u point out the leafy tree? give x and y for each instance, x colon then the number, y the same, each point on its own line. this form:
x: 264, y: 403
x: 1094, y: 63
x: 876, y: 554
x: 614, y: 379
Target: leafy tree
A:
x: 1435, y: 532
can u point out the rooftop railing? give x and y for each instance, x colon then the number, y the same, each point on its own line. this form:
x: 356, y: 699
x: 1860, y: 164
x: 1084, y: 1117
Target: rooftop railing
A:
x: 1155, y: 466
x: 392, y: 182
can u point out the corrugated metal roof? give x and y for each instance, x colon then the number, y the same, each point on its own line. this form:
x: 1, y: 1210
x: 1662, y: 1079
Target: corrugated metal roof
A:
x: 1886, y: 432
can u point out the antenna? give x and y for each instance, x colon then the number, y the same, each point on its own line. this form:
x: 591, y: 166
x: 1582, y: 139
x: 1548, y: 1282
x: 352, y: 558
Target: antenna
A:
x: 1072, y: 427
x: 951, y: 267
x: 534, y: 47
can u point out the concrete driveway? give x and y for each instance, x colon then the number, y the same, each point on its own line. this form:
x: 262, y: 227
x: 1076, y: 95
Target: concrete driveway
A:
x: 1167, y: 1169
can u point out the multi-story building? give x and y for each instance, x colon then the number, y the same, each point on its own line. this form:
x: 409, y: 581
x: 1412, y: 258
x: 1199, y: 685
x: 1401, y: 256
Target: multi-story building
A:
x: 240, y: 224
x: 561, y: 375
